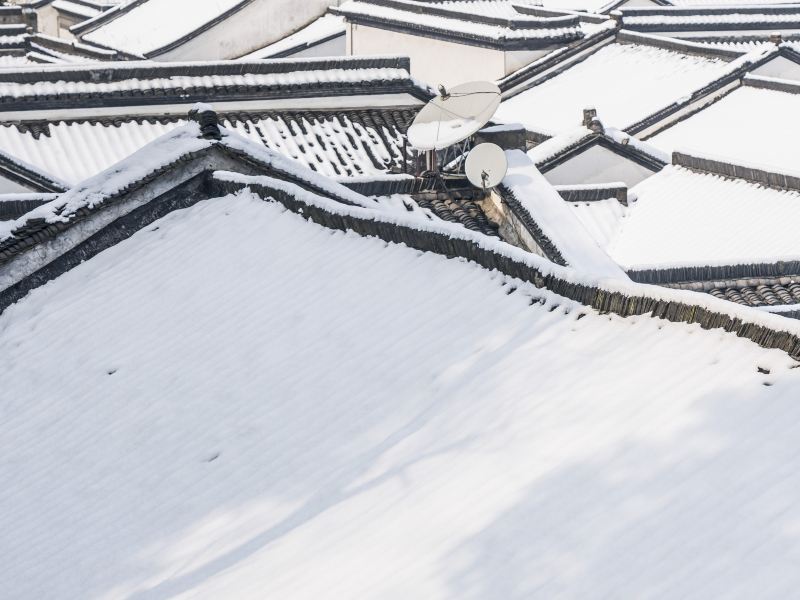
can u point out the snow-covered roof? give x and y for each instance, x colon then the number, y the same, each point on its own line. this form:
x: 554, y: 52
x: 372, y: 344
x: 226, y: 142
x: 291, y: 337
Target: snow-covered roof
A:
x: 324, y: 29
x: 343, y: 144
x: 143, y: 27
x: 742, y: 18
x: 122, y: 83
x: 686, y: 223
x: 221, y: 407
x: 484, y: 23
x: 753, y: 124
x: 574, y: 143
x: 76, y: 9
x: 626, y: 81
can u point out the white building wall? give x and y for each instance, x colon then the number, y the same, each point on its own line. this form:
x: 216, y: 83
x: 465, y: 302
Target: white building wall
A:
x: 433, y: 61
x: 259, y: 24
x: 521, y: 58
x: 779, y: 67
x: 598, y: 165
x: 335, y: 47
x: 11, y: 187
x: 47, y: 21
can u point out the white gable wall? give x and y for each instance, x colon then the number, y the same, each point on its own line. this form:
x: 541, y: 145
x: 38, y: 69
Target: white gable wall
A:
x: 437, y: 61
x: 12, y: 187
x: 598, y: 165
x: 333, y: 47
x: 780, y: 67
x: 261, y: 23
x: 433, y: 61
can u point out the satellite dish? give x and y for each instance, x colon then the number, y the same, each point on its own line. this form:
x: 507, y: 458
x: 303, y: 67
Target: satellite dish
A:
x: 454, y: 115
x: 486, y: 166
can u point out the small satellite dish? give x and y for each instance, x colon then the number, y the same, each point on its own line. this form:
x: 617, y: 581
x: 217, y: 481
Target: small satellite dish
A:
x: 486, y: 166
x: 454, y: 115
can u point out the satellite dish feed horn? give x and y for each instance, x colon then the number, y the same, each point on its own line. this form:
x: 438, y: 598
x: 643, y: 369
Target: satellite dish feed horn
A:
x: 486, y: 166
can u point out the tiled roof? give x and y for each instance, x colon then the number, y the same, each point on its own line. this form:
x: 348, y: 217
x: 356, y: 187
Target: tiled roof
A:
x: 625, y: 82
x: 146, y: 27
x: 680, y: 19
x: 342, y: 144
x: 119, y: 84
x: 693, y: 226
x: 775, y: 294
x: 460, y: 210
x: 751, y: 124
x: 491, y: 24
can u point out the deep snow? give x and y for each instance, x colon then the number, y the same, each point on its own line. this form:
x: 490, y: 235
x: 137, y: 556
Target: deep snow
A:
x: 236, y: 403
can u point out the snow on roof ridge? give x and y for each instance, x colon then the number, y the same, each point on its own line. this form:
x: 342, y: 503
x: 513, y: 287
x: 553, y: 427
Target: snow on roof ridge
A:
x: 448, y: 23
x: 165, y: 150
x: 753, y: 172
x: 340, y: 62
x: 566, y: 140
x: 95, y: 190
x: 610, y: 285
x: 544, y: 204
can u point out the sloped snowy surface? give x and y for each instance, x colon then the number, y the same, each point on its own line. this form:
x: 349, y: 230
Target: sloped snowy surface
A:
x: 335, y: 146
x: 236, y: 403
x: 554, y: 217
x: 624, y: 82
x: 157, y: 23
x: 324, y: 27
x: 750, y: 125
x: 686, y: 218
x: 601, y: 218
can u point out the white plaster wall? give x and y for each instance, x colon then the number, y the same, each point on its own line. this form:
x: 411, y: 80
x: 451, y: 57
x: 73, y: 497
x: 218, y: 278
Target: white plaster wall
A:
x: 521, y: 58
x: 597, y: 165
x: 779, y: 67
x: 334, y: 47
x: 632, y: 3
x: 261, y: 23
x: 47, y: 20
x: 11, y: 187
x: 432, y: 61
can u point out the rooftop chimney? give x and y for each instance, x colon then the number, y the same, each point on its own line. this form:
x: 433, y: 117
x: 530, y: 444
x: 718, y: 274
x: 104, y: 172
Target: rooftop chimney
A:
x: 206, y: 117
x: 775, y: 37
x: 588, y: 115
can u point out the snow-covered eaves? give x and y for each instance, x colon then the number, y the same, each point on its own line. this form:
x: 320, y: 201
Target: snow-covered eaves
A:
x: 455, y: 22
x: 134, y: 83
x: 712, y: 19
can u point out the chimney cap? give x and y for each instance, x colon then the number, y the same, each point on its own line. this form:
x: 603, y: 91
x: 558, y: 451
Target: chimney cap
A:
x: 596, y: 126
x: 205, y: 115
x: 589, y: 113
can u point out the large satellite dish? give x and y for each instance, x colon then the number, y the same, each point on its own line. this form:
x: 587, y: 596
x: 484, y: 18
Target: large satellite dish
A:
x: 454, y: 115
x: 486, y: 166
